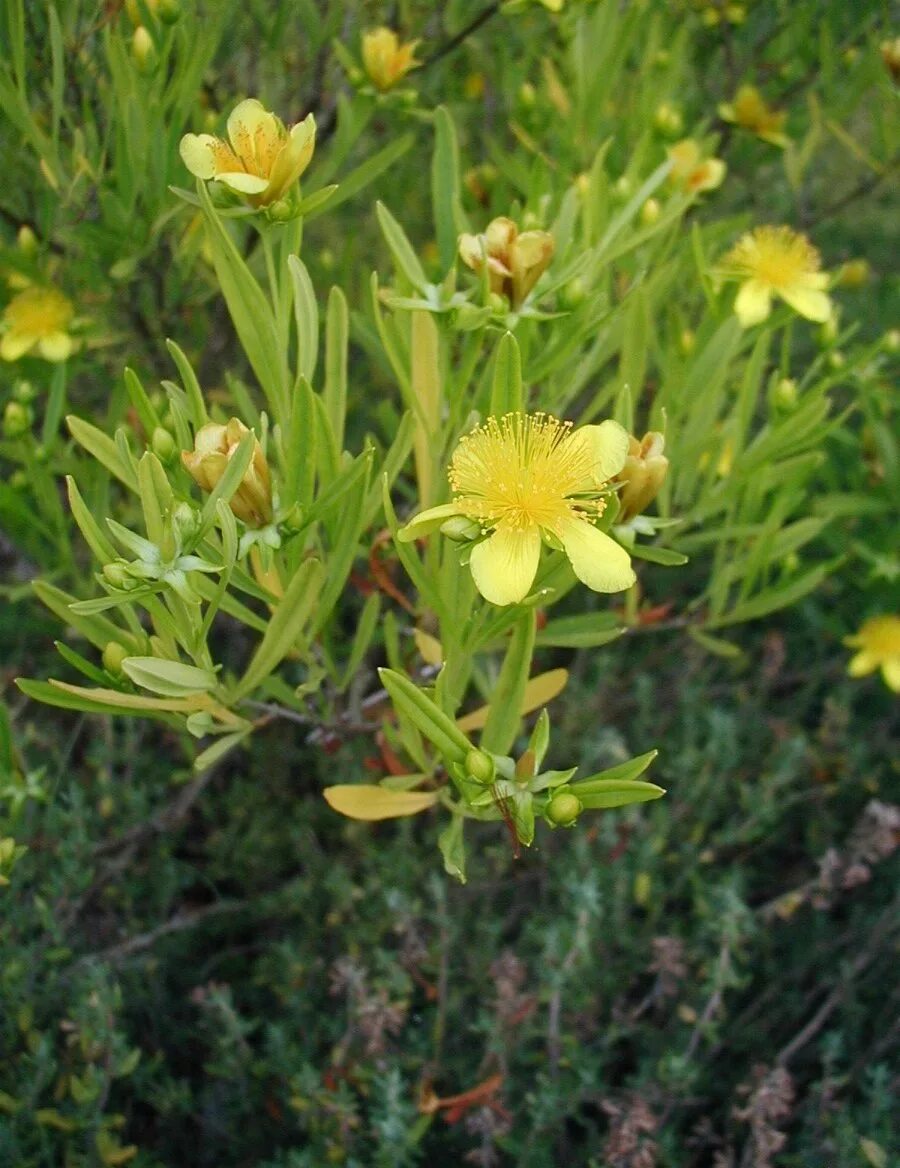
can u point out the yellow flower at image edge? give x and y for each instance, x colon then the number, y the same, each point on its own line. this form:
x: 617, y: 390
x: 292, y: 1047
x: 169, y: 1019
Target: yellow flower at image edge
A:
x: 878, y: 645
x: 385, y: 59
x: 37, y: 319
x: 261, y: 160
x: 526, y: 479
x: 776, y: 261
x: 214, y: 445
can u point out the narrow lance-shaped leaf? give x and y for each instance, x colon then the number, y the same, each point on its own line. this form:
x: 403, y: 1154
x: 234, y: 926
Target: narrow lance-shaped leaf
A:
x: 506, y: 701
x: 440, y: 730
x: 506, y: 387
x: 369, y: 802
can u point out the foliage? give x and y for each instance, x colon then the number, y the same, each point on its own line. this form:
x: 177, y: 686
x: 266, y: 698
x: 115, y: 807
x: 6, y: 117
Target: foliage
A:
x: 246, y: 545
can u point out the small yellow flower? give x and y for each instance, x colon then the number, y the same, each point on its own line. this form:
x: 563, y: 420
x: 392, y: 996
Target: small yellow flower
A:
x: 214, y: 445
x: 37, y: 318
x: 692, y: 172
x: 515, y: 262
x: 878, y: 642
x: 643, y: 474
x: 261, y: 160
x: 750, y: 111
x: 525, y: 479
x: 385, y: 59
x: 776, y: 261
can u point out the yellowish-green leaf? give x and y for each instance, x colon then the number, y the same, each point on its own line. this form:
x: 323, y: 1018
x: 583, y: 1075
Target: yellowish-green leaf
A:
x: 369, y: 802
x: 538, y: 692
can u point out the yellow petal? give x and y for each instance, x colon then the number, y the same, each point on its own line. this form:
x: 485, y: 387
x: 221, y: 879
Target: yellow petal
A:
x: 890, y: 671
x: 199, y: 153
x: 809, y: 302
x: 243, y: 183
x: 504, y: 566
x: 56, y: 346
x: 471, y: 251
x: 15, y: 345
x: 500, y: 233
x: 753, y: 303
x: 863, y: 663
x: 609, y: 446
x: 596, y: 559
x: 252, y: 130
x: 369, y: 802
x: 430, y: 648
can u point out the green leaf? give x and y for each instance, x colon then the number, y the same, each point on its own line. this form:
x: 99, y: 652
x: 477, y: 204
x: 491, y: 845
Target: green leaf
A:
x: 172, y: 679
x: 453, y: 848
x: 716, y: 645
x: 617, y: 794
x: 401, y: 249
x: 337, y: 336
x: 249, y: 309
x: 436, y: 726
x: 285, y: 626
x: 94, y: 536
x: 449, y: 216
x: 103, y: 448
x: 658, y: 555
x: 96, y: 629
x: 506, y: 700
x: 222, y: 746
x: 364, y: 174
x: 370, y: 803
x: 623, y: 772
x: 585, y: 631
x: 506, y: 387
x: 144, y: 408
x: 780, y: 596
x: 306, y: 316
x: 196, y: 403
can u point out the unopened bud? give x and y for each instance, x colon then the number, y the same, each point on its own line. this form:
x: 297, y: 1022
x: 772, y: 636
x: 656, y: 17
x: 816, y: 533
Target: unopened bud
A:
x: 17, y: 419
x: 686, y: 341
x: 143, y: 51
x: 527, y: 94
x: 836, y: 359
x: 574, y: 293
x: 668, y: 120
x: 480, y: 766
x: 169, y: 11
x: 854, y: 274
x: 583, y: 184
x: 113, y: 656
x: 622, y: 188
x: 498, y: 303
x: 563, y: 809
x: 828, y: 330
x: 163, y: 444
x: 784, y: 393
x: 26, y: 240
x: 642, y: 475
x: 24, y: 392
x: 650, y: 212
x: 214, y: 446
x: 891, y: 341
x: 461, y: 529
x: 117, y: 575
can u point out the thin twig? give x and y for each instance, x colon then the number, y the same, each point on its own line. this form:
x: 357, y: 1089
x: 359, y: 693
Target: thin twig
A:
x: 177, y: 924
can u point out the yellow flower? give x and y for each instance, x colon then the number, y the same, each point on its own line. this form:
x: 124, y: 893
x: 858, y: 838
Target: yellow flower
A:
x: 37, y: 318
x: 691, y: 171
x: 750, y: 111
x: 776, y: 261
x: 385, y: 59
x: 514, y: 262
x: 642, y: 475
x: 528, y: 478
x: 878, y: 642
x: 214, y: 445
x: 262, y: 158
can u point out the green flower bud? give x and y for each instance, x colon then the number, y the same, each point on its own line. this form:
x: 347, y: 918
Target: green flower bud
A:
x: 163, y: 444
x: 527, y: 94
x: 24, y: 392
x: 784, y: 394
x: 113, y: 656
x: 574, y: 293
x: 143, y: 50
x: 650, y: 212
x: 26, y: 240
x: 891, y: 341
x: 18, y: 480
x: 498, y: 303
x: 563, y: 809
x: 622, y: 188
x: 461, y: 529
x: 117, y: 575
x: 168, y: 11
x: 668, y: 120
x: 480, y: 766
x: 17, y: 419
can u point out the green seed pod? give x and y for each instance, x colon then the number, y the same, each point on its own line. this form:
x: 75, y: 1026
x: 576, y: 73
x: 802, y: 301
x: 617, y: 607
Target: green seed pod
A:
x: 480, y: 766
x: 113, y: 656
x: 563, y: 809
x: 163, y: 444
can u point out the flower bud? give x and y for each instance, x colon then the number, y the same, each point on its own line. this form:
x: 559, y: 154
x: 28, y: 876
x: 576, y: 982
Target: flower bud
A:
x: 527, y: 94
x: 24, y: 392
x: 169, y: 11
x: 583, y: 183
x: 650, y: 212
x: 853, y: 274
x: 118, y: 576
x: 143, y: 51
x: 214, y: 445
x: 26, y: 240
x: 890, y: 54
x: 563, y: 809
x: 784, y: 394
x: 480, y: 766
x: 113, y: 656
x: 17, y: 419
x: 163, y: 444
x: 686, y: 341
x: 622, y: 188
x: 574, y: 293
x: 668, y: 120
x: 642, y: 475
x: 385, y: 60
x: 891, y: 341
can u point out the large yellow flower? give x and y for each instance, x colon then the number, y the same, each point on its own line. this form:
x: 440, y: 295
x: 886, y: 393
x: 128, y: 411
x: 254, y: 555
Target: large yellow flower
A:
x: 691, y: 171
x: 37, y: 319
x: 776, y: 261
x: 514, y: 262
x: 385, y: 59
x: 750, y: 111
x: 261, y: 160
x: 878, y: 645
x: 528, y: 478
